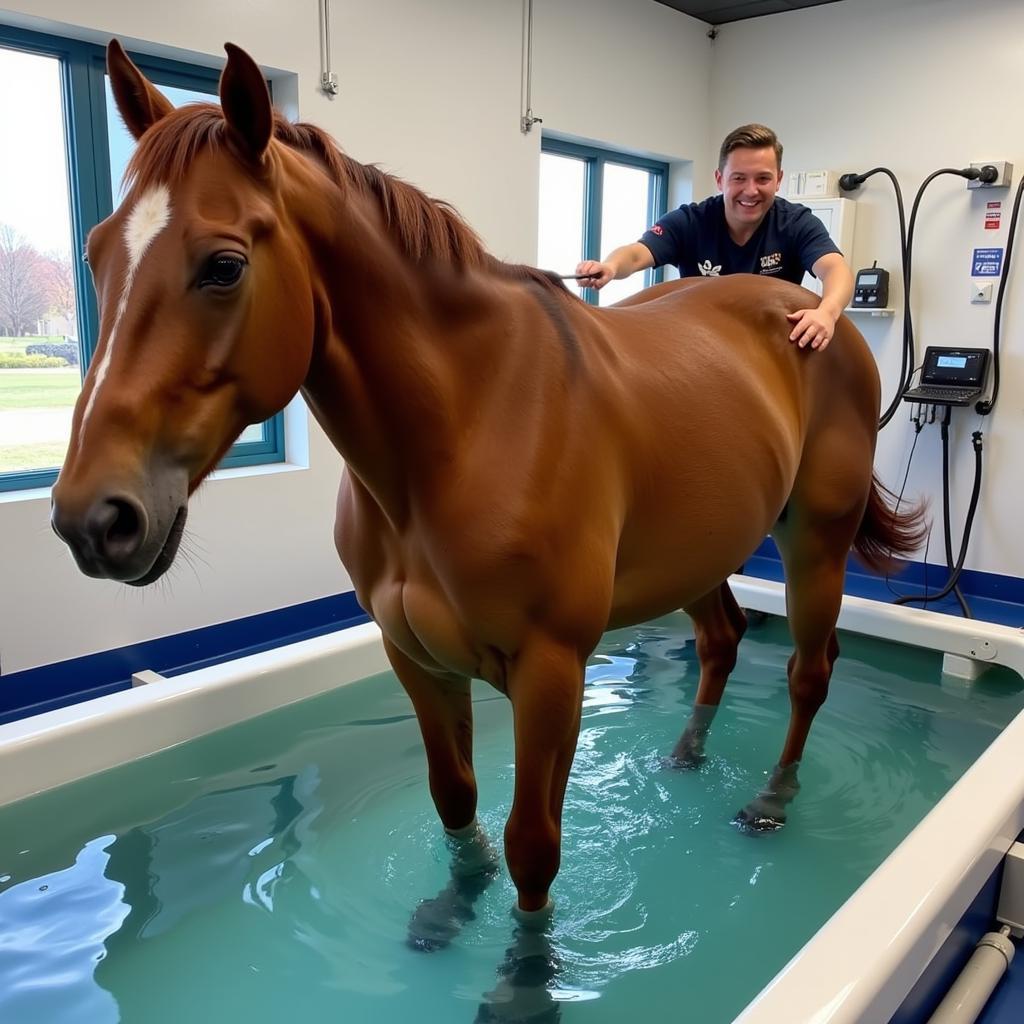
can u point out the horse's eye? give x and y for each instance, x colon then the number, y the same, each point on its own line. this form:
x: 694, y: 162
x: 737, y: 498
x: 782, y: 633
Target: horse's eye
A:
x: 222, y: 271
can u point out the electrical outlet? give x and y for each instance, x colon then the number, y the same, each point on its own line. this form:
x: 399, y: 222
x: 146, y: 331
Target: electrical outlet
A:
x: 981, y: 291
x: 1004, y: 168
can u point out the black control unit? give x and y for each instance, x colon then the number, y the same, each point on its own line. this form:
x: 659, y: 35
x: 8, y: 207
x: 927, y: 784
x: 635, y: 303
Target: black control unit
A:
x: 871, y: 288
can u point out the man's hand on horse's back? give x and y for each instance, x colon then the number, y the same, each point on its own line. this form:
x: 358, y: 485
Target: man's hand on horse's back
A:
x: 813, y: 327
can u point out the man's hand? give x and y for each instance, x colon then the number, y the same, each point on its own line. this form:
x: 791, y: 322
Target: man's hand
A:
x: 594, y: 274
x: 813, y: 327
x: 619, y: 263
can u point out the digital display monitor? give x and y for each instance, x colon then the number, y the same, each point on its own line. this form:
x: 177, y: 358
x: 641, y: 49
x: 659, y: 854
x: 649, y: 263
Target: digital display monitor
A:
x: 867, y: 280
x: 958, y: 367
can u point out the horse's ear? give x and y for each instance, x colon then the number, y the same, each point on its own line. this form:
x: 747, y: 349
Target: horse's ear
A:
x: 139, y: 102
x: 246, y: 102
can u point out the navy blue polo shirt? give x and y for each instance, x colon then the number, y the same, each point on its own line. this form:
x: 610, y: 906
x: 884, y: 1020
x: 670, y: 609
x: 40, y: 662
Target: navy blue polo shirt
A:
x: 788, y: 242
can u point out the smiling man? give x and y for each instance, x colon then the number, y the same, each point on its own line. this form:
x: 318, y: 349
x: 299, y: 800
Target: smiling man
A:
x: 747, y: 229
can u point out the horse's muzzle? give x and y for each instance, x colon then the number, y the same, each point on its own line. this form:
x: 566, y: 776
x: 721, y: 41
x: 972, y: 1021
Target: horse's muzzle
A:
x: 119, y: 536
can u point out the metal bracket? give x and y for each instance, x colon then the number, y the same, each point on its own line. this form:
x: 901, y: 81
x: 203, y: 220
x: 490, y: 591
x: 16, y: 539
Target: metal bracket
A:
x: 147, y: 676
x: 1011, y: 895
x: 528, y: 121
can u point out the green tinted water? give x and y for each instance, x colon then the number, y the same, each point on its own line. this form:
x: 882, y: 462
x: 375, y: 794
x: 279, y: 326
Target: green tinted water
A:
x: 267, y: 872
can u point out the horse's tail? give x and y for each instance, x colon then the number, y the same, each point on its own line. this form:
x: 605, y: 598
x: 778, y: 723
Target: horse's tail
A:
x: 886, y: 533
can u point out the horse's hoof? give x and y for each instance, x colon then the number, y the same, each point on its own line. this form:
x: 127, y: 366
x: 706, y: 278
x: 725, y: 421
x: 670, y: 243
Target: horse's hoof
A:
x: 428, y: 936
x: 525, y: 978
x: 435, y: 922
x: 684, y: 762
x: 423, y: 944
x: 753, y: 822
x: 510, y: 1013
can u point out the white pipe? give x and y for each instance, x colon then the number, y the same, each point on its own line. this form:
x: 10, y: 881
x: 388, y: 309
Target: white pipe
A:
x: 970, y: 992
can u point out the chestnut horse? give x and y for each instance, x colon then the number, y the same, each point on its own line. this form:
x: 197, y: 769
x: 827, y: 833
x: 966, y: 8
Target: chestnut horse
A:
x: 523, y: 471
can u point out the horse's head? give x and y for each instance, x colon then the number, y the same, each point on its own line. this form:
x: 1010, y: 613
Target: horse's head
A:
x: 206, y: 319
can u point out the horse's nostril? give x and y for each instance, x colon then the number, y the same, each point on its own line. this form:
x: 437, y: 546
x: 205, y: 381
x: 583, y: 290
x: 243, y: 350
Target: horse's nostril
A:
x: 125, y: 526
x: 118, y: 528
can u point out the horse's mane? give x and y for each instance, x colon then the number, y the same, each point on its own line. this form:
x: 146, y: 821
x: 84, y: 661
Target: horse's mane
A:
x: 424, y: 228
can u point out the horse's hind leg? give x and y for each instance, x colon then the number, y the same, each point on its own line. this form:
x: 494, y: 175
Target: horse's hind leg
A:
x: 719, y: 625
x: 814, y: 556
x: 444, y: 712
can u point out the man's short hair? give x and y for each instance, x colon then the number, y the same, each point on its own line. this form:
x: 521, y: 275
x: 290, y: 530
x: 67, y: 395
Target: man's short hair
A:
x: 750, y: 136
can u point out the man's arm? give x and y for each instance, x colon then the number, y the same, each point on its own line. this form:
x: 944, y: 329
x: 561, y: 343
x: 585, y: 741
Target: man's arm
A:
x: 619, y: 263
x: 815, y: 327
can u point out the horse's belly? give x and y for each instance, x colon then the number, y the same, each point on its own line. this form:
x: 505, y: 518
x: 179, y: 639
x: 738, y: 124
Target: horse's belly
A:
x: 668, y: 579
x: 673, y: 551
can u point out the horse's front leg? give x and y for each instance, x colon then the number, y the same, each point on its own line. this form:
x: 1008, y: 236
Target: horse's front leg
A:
x: 545, y: 686
x: 444, y: 712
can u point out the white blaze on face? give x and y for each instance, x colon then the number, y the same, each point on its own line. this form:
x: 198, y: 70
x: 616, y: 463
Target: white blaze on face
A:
x: 145, y: 222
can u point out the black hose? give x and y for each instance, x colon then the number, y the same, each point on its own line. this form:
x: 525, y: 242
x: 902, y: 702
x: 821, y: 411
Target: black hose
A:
x: 848, y: 182
x: 906, y: 373
x: 947, y: 529
x: 951, y: 583
x: 987, y: 174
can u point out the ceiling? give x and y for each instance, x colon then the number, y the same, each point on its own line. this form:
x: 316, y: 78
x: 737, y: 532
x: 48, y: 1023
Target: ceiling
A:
x: 719, y: 12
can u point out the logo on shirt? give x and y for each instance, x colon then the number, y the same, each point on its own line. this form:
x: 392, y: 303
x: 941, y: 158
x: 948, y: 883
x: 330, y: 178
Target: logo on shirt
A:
x: 708, y: 270
x: 771, y: 263
x: 657, y: 230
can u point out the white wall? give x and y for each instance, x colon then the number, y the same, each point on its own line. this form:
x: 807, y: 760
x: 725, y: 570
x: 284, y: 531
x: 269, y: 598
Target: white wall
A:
x: 913, y: 85
x: 633, y: 75
x: 431, y: 92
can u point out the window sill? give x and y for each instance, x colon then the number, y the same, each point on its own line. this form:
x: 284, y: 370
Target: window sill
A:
x: 263, y: 469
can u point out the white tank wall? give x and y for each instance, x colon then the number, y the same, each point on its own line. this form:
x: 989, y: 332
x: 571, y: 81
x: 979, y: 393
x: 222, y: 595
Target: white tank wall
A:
x: 431, y: 92
x: 913, y: 85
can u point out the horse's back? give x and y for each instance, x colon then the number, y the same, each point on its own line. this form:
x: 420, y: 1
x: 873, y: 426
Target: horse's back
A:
x: 729, y: 337
x: 716, y: 421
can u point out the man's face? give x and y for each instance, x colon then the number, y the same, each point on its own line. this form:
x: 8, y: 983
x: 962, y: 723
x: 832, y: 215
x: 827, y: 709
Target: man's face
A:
x: 749, y: 181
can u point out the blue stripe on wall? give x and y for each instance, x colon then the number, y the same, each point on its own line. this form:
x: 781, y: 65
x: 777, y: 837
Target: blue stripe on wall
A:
x: 988, y: 585
x: 67, y: 682
x: 993, y: 597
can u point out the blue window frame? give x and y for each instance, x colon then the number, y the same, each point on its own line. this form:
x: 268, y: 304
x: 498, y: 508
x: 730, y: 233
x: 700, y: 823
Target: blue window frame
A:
x: 87, y: 147
x: 594, y: 165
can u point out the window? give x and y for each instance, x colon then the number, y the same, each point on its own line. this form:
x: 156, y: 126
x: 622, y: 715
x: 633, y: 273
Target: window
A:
x: 591, y: 201
x: 64, y: 152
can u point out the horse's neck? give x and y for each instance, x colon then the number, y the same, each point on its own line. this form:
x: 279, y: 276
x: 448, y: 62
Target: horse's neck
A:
x: 381, y: 376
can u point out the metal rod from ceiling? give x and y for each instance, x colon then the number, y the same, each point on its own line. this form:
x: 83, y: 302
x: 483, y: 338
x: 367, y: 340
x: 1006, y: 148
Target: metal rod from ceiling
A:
x: 328, y: 79
x: 527, y: 119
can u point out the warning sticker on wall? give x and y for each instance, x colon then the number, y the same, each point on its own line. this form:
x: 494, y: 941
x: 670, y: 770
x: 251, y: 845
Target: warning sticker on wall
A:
x: 987, y: 263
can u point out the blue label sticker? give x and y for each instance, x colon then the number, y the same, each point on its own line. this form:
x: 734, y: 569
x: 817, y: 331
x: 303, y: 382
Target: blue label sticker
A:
x: 987, y: 263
